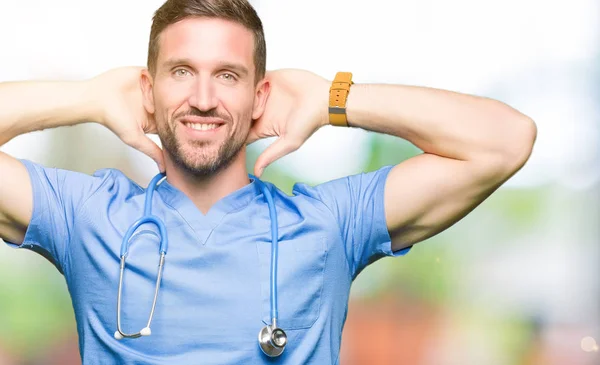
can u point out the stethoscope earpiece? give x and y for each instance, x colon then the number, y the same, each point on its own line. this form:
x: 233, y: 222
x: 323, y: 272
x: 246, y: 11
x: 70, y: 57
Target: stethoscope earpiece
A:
x: 272, y: 341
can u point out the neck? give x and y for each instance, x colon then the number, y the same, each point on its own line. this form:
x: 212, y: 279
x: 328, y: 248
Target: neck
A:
x: 206, y: 191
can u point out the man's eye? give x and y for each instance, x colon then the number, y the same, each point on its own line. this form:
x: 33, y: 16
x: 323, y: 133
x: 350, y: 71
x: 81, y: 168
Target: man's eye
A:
x: 181, y: 72
x: 228, y: 76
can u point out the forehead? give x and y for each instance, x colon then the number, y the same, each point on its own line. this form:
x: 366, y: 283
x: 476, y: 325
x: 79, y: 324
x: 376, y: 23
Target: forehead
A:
x: 206, y: 40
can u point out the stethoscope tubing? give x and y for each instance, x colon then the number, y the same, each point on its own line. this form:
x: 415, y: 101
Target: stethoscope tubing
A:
x: 149, y: 218
x: 164, y: 245
x: 274, y: 250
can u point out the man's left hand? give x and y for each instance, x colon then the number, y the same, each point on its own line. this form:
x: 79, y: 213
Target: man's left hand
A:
x: 297, y: 106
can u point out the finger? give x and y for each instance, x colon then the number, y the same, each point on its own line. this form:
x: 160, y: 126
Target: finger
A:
x: 252, y: 137
x: 151, y: 127
x: 151, y: 149
x: 275, y: 151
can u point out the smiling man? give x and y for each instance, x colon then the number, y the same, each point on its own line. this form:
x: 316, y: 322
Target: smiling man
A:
x: 207, y: 94
x: 202, y: 130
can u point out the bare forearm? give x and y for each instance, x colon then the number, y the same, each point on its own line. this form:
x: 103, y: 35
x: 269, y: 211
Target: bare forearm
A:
x: 444, y: 123
x: 35, y: 105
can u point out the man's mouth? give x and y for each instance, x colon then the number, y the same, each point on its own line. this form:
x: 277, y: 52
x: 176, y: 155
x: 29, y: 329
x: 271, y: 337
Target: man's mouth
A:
x: 202, y: 126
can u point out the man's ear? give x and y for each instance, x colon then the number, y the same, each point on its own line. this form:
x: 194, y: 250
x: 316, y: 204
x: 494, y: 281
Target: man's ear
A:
x: 263, y: 88
x: 146, y: 86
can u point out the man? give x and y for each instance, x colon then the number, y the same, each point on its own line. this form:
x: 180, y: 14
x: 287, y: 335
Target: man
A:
x: 206, y: 93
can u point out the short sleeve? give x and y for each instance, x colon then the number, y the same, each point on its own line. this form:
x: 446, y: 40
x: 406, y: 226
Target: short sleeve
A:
x: 357, y: 203
x: 57, y: 196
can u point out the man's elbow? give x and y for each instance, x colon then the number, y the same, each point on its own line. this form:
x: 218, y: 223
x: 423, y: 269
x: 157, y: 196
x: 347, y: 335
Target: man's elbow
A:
x: 519, y: 152
x: 515, y: 151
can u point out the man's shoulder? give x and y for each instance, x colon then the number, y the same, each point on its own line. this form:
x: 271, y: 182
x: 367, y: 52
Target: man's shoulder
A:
x: 83, y: 185
x: 66, y: 174
x: 114, y: 180
x: 114, y: 174
x: 341, y: 186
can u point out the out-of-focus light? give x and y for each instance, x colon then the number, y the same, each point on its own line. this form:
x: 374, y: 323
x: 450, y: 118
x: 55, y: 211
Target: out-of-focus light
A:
x: 437, y: 259
x: 588, y: 344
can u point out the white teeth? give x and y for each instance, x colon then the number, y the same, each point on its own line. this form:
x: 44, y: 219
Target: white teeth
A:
x: 202, y: 127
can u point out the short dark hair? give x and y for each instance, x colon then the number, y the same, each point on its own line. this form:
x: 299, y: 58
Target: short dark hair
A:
x: 239, y: 11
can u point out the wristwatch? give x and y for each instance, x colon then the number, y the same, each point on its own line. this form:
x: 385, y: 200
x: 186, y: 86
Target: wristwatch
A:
x: 338, y: 95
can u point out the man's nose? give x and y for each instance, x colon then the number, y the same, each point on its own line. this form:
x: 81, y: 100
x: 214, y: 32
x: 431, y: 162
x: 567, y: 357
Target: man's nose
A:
x: 202, y: 95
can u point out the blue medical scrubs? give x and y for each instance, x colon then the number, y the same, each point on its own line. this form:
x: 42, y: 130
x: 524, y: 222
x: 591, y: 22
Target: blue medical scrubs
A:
x: 214, y: 296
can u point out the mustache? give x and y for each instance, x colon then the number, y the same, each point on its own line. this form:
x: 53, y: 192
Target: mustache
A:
x: 194, y: 112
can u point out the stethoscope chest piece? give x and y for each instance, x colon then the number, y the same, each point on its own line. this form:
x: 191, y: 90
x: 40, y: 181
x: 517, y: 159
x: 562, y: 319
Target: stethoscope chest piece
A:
x: 272, y: 340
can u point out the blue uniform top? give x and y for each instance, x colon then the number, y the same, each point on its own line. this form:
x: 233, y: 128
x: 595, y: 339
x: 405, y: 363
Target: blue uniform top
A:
x: 214, y: 296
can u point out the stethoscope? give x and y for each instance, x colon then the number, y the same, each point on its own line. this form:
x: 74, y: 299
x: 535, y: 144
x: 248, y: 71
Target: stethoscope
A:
x: 272, y: 339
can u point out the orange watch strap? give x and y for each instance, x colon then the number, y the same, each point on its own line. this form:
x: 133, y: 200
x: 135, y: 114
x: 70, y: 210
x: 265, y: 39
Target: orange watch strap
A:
x: 338, y: 95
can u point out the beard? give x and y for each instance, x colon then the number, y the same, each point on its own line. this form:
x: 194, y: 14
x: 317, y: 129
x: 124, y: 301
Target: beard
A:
x: 200, y: 160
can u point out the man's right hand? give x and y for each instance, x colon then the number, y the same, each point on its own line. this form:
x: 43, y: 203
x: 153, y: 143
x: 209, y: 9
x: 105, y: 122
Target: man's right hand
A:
x: 113, y: 99
x: 121, y: 109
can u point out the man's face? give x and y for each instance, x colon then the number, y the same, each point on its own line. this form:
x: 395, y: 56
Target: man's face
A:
x: 203, y: 95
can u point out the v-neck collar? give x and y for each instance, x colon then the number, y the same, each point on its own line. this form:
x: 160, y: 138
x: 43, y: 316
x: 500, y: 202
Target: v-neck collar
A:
x: 204, y: 224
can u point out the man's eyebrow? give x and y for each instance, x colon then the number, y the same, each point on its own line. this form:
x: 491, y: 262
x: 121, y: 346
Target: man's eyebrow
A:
x: 236, y: 67
x: 176, y: 62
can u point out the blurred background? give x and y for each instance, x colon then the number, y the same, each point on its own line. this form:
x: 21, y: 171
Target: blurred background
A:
x: 514, y: 283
